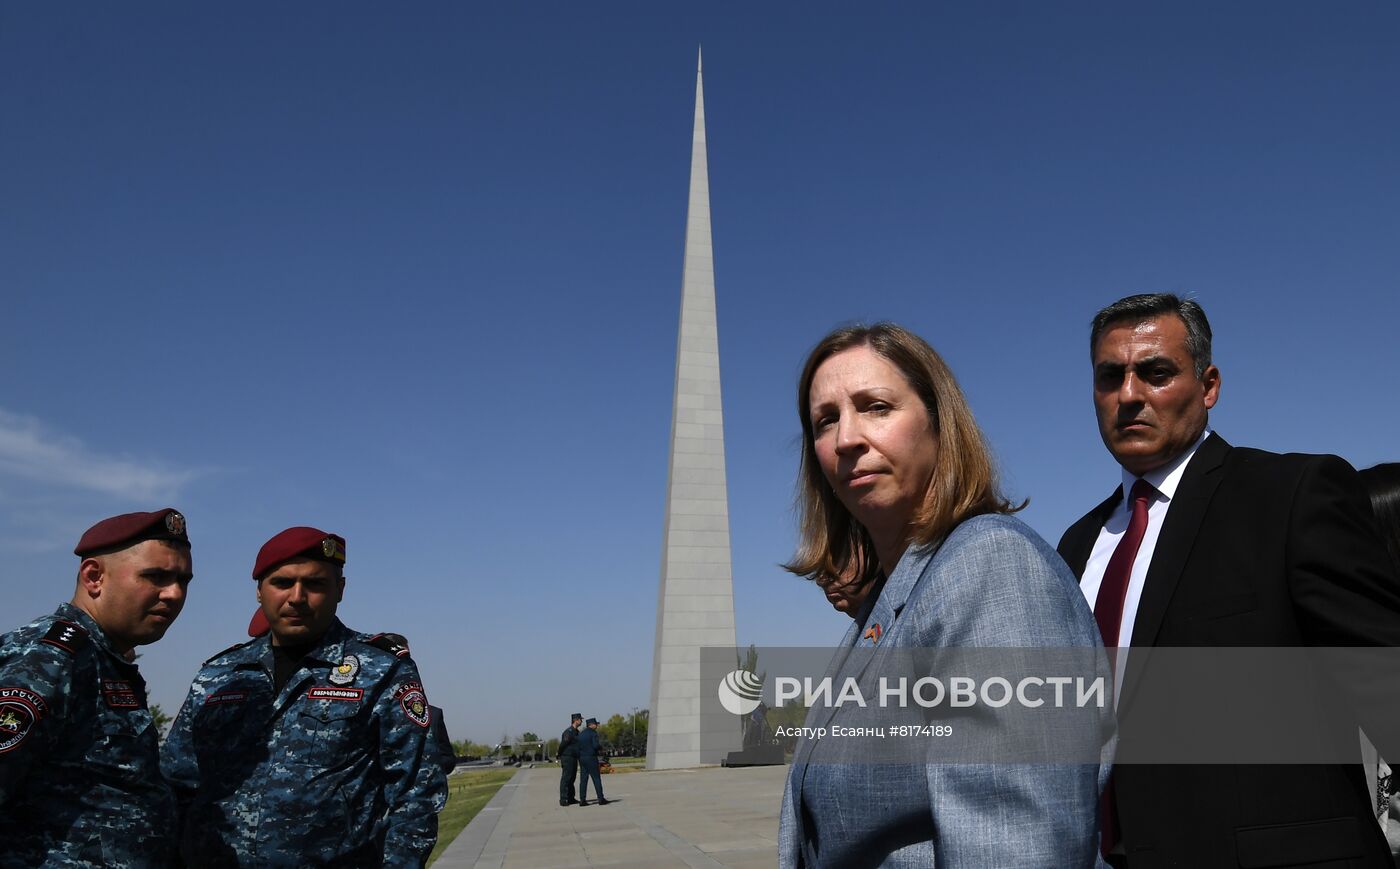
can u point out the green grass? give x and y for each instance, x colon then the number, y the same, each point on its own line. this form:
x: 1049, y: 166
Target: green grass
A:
x: 467, y: 793
x: 629, y: 761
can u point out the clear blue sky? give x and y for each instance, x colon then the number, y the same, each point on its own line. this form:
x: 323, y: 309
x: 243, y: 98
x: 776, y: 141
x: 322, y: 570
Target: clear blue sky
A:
x: 413, y: 275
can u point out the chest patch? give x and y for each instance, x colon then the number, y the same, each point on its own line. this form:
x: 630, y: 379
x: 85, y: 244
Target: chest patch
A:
x: 120, y: 694
x: 225, y: 697
x: 344, y: 673
x: 20, y: 710
x: 325, y: 692
x: 414, y: 703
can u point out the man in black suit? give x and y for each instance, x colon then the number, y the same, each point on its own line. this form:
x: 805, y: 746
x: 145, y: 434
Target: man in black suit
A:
x: 1222, y: 546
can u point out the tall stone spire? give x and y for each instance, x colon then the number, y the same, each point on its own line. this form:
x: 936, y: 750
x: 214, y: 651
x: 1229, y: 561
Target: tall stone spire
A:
x: 695, y: 603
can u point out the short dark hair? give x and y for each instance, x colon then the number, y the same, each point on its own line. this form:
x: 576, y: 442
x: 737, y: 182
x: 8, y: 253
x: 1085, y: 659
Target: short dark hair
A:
x: 1148, y: 306
x: 1383, y: 485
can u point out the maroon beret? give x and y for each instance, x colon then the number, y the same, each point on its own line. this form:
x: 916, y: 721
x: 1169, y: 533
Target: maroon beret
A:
x: 128, y: 529
x: 259, y: 624
x: 299, y: 542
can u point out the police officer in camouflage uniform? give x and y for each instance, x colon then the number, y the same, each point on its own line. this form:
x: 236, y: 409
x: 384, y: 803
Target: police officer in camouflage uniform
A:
x: 311, y: 745
x: 80, y: 781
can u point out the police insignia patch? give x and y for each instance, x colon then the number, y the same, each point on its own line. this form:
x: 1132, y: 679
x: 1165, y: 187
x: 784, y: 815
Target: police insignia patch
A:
x: 20, y: 709
x: 415, y: 703
x: 345, y: 672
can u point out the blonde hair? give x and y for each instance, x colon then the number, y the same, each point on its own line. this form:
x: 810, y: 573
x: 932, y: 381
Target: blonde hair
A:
x: 831, y: 542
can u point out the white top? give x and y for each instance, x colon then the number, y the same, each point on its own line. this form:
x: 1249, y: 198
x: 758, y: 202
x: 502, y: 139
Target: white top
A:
x: 1165, y: 480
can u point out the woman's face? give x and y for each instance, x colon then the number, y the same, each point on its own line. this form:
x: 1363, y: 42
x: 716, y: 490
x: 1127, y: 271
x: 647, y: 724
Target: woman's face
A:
x: 873, y: 440
x: 845, y: 593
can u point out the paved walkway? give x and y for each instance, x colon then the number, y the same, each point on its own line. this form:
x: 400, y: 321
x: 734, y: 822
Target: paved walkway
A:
x: 700, y: 818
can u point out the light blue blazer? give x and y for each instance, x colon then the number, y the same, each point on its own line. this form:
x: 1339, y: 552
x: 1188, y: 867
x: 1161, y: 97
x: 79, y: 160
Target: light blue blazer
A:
x: 992, y: 583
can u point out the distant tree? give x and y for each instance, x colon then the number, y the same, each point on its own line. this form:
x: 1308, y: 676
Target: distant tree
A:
x: 615, y: 731
x: 750, y: 662
x: 551, y: 748
x: 161, y: 720
x: 529, y: 736
x: 467, y: 748
x: 634, y: 736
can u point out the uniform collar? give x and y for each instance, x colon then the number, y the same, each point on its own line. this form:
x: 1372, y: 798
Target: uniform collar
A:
x: 330, y: 649
x: 73, y: 614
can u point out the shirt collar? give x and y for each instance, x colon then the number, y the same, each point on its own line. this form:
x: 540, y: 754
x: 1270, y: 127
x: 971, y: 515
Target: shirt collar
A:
x: 1166, y: 478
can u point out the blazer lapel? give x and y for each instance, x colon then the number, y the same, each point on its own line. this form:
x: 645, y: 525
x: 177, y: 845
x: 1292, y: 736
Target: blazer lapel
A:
x: 884, y: 616
x: 879, y: 619
x: 1079, y: 541
x: 1178, y: 535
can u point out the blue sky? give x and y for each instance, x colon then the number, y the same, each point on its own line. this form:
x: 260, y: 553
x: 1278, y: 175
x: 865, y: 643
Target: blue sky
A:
x: 413, y: 276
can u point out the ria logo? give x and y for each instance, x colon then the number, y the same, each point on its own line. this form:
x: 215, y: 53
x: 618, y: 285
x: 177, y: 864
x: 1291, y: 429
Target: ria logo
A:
x: 739, y: 692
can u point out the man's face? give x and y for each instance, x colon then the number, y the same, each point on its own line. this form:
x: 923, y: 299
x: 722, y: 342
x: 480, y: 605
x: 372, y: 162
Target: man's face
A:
x: 138, y: 592
x: 299, y: 599
x: 1151, y: 405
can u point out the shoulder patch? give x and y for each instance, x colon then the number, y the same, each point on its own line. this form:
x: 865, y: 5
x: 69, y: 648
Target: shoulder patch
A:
x: 414, y: 703
x: 66, y: 635
x: 394, y: 644
x: 230, y: 649
x: 20, y: 710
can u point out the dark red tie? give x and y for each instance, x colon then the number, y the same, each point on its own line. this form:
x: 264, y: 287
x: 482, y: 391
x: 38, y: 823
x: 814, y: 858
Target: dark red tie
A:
x: 1108, y: 606
x: 1108, y: 612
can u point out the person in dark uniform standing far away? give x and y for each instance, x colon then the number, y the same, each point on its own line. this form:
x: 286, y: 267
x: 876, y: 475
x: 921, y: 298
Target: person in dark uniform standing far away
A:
x: 568, y: 760
x: 588, y: 759
x: 311, y: 745
x: 80, y: 781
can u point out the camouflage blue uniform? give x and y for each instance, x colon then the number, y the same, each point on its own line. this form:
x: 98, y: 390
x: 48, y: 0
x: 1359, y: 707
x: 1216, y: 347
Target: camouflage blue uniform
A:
x: 80, y: 781
x: 338, y: 768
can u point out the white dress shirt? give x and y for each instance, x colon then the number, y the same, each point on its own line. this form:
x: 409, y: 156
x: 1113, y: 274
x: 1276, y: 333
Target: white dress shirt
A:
x: 1165, y: 480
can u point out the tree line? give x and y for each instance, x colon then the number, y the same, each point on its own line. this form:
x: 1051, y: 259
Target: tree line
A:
x: 622, y: 735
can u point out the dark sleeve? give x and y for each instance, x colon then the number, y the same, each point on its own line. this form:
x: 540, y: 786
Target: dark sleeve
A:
x: 1340, y: 576
x: 177, y: 758
x: 1346, y: 594
x: 34, y: 686
x: 415, y: 787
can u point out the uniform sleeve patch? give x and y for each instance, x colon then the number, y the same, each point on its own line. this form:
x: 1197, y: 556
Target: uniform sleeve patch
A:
x: 20, y: 710
x: 66, y: 635
x: 326, y: 692
x: 414, y: 703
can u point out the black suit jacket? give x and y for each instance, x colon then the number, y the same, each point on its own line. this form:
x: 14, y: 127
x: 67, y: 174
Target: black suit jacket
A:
x: 1257, y: 549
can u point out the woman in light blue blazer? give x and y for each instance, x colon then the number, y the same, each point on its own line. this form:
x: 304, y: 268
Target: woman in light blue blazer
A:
x: 899, y: 490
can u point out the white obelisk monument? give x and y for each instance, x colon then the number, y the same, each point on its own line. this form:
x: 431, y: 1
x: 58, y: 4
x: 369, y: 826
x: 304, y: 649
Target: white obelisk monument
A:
x: 695, y: 604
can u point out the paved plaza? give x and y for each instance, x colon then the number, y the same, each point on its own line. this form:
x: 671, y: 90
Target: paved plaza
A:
x: 702, y: 818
